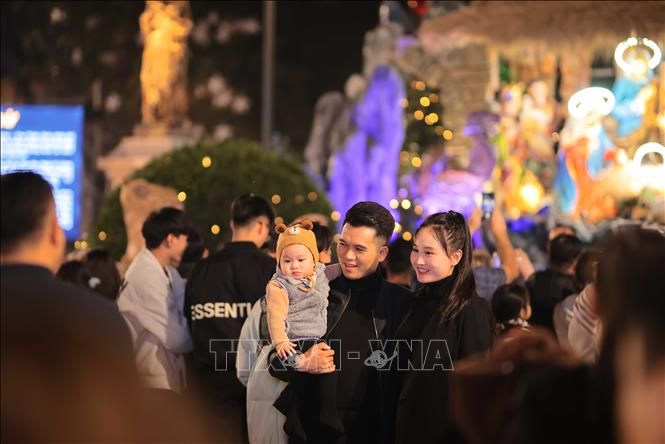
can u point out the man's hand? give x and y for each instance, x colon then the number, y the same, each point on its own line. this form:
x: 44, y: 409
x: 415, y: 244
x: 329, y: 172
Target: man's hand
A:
x: 317, y: 360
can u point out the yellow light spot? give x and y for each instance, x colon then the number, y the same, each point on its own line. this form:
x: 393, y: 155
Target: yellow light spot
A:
x: 182, y: 196
x: 215, y: 229
x: 299, y: 199
x: 416, y: 162
x: 447, y: 134
x: 433, y: 117
x: 279, y: 220
x: 420, y: 85
x: 406, y: 204
x: 424, y: 101
x: 276, y: 199
x: 312, y: 196
x: 394, y: 203
x: 101, y: 236
x: 334, y: 216
x: 438, y: 130
x: 77, y: 245
x: 418, y: 210
x: 403, y: 103
x: 418, y: 115
x: 206, y: 161
x: 84, y: 245
x: 434, y: 97
x: 398, y: 227
x: 406, y: 236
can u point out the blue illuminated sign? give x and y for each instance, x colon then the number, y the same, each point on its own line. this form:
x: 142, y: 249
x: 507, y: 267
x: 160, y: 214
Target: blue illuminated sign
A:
x: 47, y: 139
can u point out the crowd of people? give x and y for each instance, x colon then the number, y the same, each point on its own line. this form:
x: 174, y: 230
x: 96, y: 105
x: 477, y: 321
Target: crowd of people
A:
x: 291, y: 334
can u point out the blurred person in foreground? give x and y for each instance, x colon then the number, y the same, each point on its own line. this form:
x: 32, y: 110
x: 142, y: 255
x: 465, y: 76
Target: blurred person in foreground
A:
x: 67, y: 365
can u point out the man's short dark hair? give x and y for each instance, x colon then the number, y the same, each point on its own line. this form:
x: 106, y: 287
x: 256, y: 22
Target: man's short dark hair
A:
x: 161, y: 223
x: 564, y: 249
x: 248, y: 207
x: 26, y: 199
x: 508, y: 300
x: 372, y: 215
x: 324, y: 237
x: 399, y: 256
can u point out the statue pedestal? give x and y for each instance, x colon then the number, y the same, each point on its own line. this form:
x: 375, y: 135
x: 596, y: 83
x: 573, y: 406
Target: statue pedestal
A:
x: 136, y: 151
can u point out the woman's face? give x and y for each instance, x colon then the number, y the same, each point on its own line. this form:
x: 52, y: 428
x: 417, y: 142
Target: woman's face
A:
x: 429, y: 260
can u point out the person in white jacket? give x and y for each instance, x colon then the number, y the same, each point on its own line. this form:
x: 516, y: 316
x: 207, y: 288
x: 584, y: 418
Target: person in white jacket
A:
x: 152, y: 298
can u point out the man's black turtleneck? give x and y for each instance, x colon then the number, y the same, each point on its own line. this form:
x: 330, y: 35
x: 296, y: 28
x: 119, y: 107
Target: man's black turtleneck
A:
x: 357, y: 401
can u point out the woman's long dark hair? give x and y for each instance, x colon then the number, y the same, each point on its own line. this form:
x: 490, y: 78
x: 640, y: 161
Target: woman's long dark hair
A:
x: 453, y: 234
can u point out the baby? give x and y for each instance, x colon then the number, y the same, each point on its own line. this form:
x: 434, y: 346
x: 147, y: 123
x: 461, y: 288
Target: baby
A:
x: 297, y: 294
x: 296, y: 305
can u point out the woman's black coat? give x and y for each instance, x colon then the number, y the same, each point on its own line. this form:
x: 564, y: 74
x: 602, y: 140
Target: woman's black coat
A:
x: 421, y: 395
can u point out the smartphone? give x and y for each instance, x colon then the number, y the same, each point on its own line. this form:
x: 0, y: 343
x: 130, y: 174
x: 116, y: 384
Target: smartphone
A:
x: 487, y: 205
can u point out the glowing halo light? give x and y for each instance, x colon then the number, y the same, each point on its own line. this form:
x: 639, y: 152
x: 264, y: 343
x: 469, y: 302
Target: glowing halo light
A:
x: 649, y: 175
x: 630, y: 43
x: 586, y: 100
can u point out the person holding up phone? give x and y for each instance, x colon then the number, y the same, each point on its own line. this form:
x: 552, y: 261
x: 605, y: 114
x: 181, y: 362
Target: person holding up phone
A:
x: 488, y: 278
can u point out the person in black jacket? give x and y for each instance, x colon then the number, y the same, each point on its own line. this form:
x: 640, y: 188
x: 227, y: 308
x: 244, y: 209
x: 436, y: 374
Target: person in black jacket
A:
x: 552, y: 285
x: 220, y: 292
x: 363, y: 309
x: 448, y: 321
x: 64, y: 348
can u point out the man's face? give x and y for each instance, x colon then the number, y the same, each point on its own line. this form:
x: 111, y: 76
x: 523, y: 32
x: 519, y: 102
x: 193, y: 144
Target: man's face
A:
x: 360, y: 251
x: 177, y: 245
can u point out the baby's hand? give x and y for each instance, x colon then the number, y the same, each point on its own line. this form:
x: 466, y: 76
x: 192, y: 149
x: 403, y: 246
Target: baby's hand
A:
x: 285, y: 349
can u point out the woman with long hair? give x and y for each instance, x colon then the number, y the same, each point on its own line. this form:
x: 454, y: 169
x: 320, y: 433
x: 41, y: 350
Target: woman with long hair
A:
x: 448, y: 321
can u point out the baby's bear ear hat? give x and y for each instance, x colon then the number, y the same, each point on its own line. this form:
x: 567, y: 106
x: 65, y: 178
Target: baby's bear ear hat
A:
x: 300, y: 233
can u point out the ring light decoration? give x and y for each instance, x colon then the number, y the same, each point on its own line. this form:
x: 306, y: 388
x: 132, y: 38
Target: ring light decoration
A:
x: 589, y: 99
x: 633, y: 42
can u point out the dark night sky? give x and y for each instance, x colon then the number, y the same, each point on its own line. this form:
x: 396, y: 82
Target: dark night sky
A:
x: 319, y: 44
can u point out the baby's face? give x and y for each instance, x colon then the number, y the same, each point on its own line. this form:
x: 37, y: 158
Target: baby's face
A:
x: 296, y: 261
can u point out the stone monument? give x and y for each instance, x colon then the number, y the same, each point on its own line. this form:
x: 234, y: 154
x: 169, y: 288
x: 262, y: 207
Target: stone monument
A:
x: 165, y: 27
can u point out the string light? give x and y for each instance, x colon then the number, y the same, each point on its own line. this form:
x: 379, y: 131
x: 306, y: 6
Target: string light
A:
x: 312, y: 196
x: 447, y: 134
x: 420, y: 85
x: 418, y: 115
x: 418, y: 210
x: 398, y: 228
x: 276, y: 199
x: 279, y: 220
x: 334, y: 216
x: 182, y: 196
x: 394, y: 203
x: 406, y: 204
x: 407, y: 236
x: 206, y: 161
x: 416, y: 162
x: 424, y: 101
x: 101, y: 236
x: 215, y: 229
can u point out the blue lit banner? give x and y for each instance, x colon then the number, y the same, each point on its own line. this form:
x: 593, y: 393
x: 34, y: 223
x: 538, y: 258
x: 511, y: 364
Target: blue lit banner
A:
x: 47, y: 139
